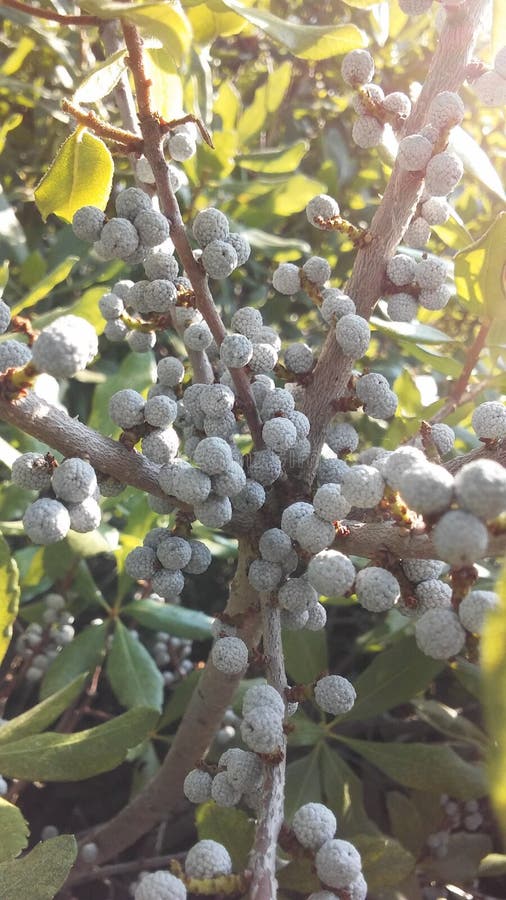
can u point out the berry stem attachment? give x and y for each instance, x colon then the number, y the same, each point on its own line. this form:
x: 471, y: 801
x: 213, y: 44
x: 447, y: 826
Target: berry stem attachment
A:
x: 360, y: 237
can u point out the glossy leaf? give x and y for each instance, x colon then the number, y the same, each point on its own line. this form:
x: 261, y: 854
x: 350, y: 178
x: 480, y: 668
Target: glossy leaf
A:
x: 13, y: 831
x: 101, y: 80
x: 80, y: 175
x: 166, y: 85
x: 168, y: 23
x: 493, y: 662
x: 415, y: 332
x: 176, y: 620
x: 208, y: 25
x: 73, y: 757
x: 9, y: 593
x: 41, y: 873
x: 45, y: 285
x: 476, y: 162
x: 230, y: 827
x: 480, y: 271
x: 132, y: 672
x: 450, y: 722
x: 424, y: 766
x: 82, y: 655
x: 492, y: 866
x: 38, y: 717
x: 305, y: 654
x: 299, y: 876
x: 394, y: 676
x: 267, y: 99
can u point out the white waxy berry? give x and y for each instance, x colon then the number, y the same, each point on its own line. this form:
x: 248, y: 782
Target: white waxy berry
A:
x: 363, y: 486
x: 244, y: 769
x: 301, y: 422
x: 489, y: 420
x: 168, y: 583
x: 393, y: 466
x: 216, y: 399
x: 231, y: 482
x: 260, y: 695
x: 264, y: 575
x: 297, y: 595
x: 369, y: 94
x: 474, y: 609
x: 415, y: 7
x: 401, y: 269
x: 321, y: 207
x: 331, y: 573
x: 402, y: 307
x: 197, y: 336
x: 480, y: 487
x: 439, y: 633
x: 338, y: 863
x: 32, y: 471
x: 317, y: 270
x: 130, y: 202
x: 230, y: 655
x: 460, y: 538
x: 316, y: 617
x: 446, y: 110
x: 313, y: 825
x: 160, y: 264
x: 357, y: 67
x: 200, y: 559
x: 436, y: 298
x: 119, y: 238
x: 262, y: 729
x: 89, y: 853
x: 414, y: 153
x: 443, y: 174
x: 315, y: 534
x: 111, y: 306
x: 427, y: 488
x: 144, y: 171
x: 214, y: 512
x: 160, y: 411
x: 116, y: 330
x: 160, y: 885
x: 219, y: 259
x: 299, y: 358
x: 334, y: 694
x: 173, y: 552
x: 159, y: 296
x: 46, y: 521
x: 197, y: 786
x: 417, y: 233
x: 141, y: 341
x: 250, y: 499
x: 223, y: 792
x: 5, y: 317
x: 397, y: 103
x: 152, y: 228
x: 141, y: 563
x: 207, y: 859
x: 367, y: 132
x: 74, y: 480
x: 264, y: 467
x: 241, y: 246
x: 84, y: 516
x: 277, y: 402
x: 418, y: 570
x: 213, y: 455
x: 279, y: 434
x: 274, y: 545
x: 126, y: 408
x: 433, y: 594
x: 161, y: 445
x: 170, y: 371
x: 377, y: 589
x: 286, y: 279
x: 490, y: 88
x: 236, y: 350
x: 65, y: 347
x: 353, y: 335
x: 330, y: 504
x: 430, y: 273
x: 247, y: 321
x: 331, y: 470
x: 87, y: 223
x: 181, y: 147
x: 263, y: 358
x: 323, y: 895
x: 436, y: 211
x: 342, y: 438
x: 210, y: 225
x: 335, y: 304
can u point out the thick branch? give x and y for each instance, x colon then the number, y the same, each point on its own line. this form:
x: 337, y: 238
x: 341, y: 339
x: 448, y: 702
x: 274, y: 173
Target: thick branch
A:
x: 153, y: 151
x: 263, y: 855
x: 370, y: 538
x: 50, y: 14
x: 447, y: 72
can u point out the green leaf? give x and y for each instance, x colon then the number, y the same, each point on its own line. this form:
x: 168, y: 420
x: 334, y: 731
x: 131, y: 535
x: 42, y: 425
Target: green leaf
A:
x: 267, y: 100
x: 208, y: 25
x: 305, y: 654
x: 41, y: 873
x: 493, y: 664
x: 177, y: 620
x: 9, y: 594
x: 132, y: 672
x: 305, y: 732
x: 343, y: 792
x: 37, y: 718
x: 411, y: 331
x: 73, y: 757
x: 405, y: 822
x: 90, y: 543
x: 13, y: 831
x: 45, y: 285
x: 480, y: 272
x: 166, y: 84
x: 394, y: 677
x: 274, y: 160
x: 498, y: 25
x: 80, y: 175
x: 450, y: 722
x: 101, y: 80
x: 137, y: 371
x: 476, y: 162
x: 384, y: 860
x: 302, y: 782
x: 304, y: 41
x: 294, y: 194
x: 82, y: 655
x: 431, y: 767
x: 299, y: 876
x: 169, y: 24
x: 230, y: 827
x: 470, y: 676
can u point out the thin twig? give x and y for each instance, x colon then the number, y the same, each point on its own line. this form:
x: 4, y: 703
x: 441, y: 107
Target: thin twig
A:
x: 457, y: 393
x: 132, y: 142
x: 50, y: 14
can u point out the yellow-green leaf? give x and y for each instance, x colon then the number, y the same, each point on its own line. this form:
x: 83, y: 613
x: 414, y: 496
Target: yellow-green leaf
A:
x: 38, y: 717
x: 493, y: 664
x: 80, y: 175
x: 167, y: 23
x: 41, y: 873
x: 9, y: 595
x: 166, y: 86
x: 13, y: 831
x: 480, y: 272
x: 275, y: 160
x: 45, y: 285
x: 208, y: 25
x: 102, y: 78
x: 268, y: 98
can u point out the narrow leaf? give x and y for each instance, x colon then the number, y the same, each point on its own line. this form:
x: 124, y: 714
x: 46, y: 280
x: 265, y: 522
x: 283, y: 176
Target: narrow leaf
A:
x: 45, y: 285
x: 82, y: 655
x: 303, y: 782
x: 493, y: 662
x: 80, y: 175
x: 9, y: 594
x: 73, y: 757
x: 305, y: 654
x: 102, y: 78
x: 41, y: 873
x: 37, y: 718
x: 480, y: 271
x: 13, y: 831
x: 176, y: 620
x: 416, y: 332
x: 132, y: 672
x: 343, y: 792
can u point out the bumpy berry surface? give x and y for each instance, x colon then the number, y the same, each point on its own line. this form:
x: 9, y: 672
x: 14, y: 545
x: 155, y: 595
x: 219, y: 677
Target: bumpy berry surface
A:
x: 314, y: 824
x: 338, y: 863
